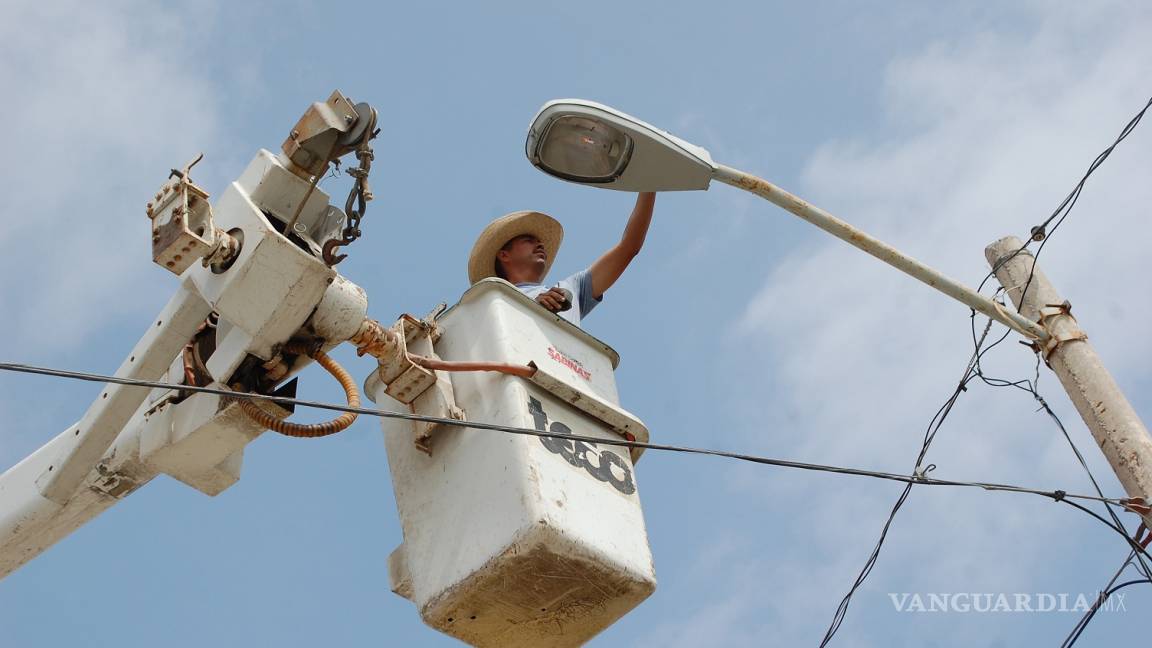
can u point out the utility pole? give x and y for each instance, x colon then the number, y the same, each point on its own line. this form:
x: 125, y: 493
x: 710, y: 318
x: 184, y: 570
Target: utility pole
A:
x: 1116, y: 427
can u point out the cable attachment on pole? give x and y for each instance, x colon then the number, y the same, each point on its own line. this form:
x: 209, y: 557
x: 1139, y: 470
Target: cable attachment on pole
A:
x: 1050, y: 315
x: 1137, y: 505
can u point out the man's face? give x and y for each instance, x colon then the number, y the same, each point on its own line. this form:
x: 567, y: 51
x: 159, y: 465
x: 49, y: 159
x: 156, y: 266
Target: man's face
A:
x: 523, y: 259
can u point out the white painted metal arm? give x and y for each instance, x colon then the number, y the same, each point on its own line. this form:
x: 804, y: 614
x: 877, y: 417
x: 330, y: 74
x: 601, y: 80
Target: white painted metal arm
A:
x: 266, y: 290
x: 878, y: 249
x: 108, y: 415
x: 31, y: 523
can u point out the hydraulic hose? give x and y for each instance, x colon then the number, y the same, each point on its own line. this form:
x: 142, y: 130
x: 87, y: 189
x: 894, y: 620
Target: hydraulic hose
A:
x: 337, y: 424
x: 524, y: 371
x: 375, y: 340
x: 381, y: 343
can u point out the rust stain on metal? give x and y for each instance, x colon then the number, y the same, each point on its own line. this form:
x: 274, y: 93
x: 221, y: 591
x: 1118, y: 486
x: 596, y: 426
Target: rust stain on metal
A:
x: 313, y: 139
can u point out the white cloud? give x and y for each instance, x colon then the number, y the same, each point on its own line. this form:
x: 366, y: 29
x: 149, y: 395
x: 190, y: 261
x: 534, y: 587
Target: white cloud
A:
x: 987, y: 133
x: 100, y: 101
x: 95, y: 115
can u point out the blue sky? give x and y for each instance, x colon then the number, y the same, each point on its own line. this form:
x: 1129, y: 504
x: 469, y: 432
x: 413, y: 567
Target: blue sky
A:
x: 939, y: 127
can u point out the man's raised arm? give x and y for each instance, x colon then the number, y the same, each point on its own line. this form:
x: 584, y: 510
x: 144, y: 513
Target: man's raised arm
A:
x: 608, y: 268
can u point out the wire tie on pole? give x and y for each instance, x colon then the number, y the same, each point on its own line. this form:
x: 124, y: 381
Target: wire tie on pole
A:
x: 1057, y: 338
x: 1058, y: 496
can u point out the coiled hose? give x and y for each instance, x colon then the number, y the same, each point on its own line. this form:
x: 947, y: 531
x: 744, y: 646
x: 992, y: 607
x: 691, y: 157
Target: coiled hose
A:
x: 337, y: 424
x: 375, y: 340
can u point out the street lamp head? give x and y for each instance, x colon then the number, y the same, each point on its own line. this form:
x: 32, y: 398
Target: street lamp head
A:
x: 589, y: 143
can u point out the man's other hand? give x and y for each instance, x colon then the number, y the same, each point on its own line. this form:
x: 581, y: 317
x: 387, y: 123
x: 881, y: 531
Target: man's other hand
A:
x: 554, y: 299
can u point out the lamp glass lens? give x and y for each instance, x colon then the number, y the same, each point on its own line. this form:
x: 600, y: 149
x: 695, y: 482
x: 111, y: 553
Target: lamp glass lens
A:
x: 584, y: 149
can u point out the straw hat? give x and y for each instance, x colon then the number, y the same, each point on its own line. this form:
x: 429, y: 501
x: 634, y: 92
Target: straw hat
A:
x: 482, y: 262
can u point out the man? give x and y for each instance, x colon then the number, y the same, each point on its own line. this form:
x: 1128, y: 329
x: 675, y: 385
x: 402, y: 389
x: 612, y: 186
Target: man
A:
x: 521, y: 246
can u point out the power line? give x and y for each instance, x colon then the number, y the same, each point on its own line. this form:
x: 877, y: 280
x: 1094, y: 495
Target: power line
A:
x: 1079, y: 629
x: 1069, y: 201
x: 1030, y: 387
x: 1039, y: 232
x: 929, y: 436
x: 1119, y: 530
x: 1083, y: 622
x: 1091, y: 613
x: 920, y: 477
x: 1143, y: 567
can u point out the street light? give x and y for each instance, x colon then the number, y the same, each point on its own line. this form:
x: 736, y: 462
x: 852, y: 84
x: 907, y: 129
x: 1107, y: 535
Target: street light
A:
x: 590, y: 143
x: 585, y: 142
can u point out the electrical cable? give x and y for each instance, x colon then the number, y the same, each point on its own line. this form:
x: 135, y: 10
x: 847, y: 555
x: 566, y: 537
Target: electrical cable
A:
x: 995, y: 382
x: 972, y: 370
x: 523, y: 371
x: 919, y: 475
x: 1083, y: 623
x: 311, y: 430
x: 1120, y: 530
x: 929, y: 437
x: 1039, y: 233
x: 1143, y: 568
x: 919, y: 478
x: 1030, y: 386
x: 1071, y: 640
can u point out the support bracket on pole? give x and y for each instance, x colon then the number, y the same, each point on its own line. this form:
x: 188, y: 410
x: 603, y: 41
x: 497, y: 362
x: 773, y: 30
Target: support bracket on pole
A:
x: 1058, y: 335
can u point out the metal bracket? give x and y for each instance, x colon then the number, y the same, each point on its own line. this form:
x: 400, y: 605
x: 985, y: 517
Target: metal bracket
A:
x: 182, y: 227
x: 1137, y: 505
x: 405, y: 379
x: 425, y: 391
x: 622, y: 422
x: 439, y: 401
x: 1055, y: 339
x: 314, y: 139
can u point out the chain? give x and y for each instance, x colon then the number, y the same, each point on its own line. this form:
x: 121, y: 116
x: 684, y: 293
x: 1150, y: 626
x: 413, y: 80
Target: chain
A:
x: 358, y: 197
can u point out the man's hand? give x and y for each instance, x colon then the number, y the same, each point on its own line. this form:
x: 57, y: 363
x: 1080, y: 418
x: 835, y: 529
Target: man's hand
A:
x: 554, y: 299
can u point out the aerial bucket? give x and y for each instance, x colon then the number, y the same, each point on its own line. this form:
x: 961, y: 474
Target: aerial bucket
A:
x: 513, y: 540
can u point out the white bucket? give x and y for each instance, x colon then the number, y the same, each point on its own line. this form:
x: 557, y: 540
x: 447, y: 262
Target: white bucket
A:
x: 513, y: 540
